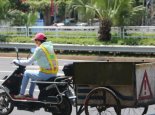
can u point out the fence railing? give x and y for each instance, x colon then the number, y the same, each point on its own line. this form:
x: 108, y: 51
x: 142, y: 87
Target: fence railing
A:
x: 88, y: 48
x: 138, y: 32
x: 79, y: 31
x: 52, y: 31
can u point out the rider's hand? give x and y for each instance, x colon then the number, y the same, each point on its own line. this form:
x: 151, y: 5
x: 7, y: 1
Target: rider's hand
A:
x: 15, y: 62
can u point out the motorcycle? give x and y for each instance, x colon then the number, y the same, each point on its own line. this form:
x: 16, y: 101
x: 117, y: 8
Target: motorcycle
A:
x: 55, y: 95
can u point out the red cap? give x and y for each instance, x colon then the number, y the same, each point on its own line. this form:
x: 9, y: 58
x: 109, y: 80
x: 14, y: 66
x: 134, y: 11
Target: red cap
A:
x: 39, y: 36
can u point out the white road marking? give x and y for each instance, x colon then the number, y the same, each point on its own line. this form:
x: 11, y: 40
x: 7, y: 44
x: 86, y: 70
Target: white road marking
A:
x: 1, y: 80
x: 7, y: 57
x: 36, y: 67
x: 5, y: 71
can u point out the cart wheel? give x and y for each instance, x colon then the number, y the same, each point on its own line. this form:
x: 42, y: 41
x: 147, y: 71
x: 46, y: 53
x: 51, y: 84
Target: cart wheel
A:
x: 102, y: 101
x: 134, y: 111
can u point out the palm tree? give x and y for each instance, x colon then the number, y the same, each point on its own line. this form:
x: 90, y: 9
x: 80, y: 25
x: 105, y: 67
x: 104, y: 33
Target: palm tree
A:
x: 84, y: 13
x: 130, y: 12
x: 105, y: 10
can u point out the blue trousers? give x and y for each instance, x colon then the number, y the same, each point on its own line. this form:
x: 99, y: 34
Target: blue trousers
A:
x: 33, y: 75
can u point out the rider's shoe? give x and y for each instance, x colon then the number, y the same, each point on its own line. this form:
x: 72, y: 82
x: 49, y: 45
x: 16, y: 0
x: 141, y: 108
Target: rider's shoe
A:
x: 19, y: 96
x: 28, y: 96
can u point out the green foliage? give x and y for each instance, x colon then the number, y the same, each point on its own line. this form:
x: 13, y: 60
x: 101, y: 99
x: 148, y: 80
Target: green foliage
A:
x: 128, y: 41
x: 20, y: 18
x: 121, y: 12
x: 16, y: 12
x: 107, y: 11
x: 101, y: 8
x: 63, y: 8
x: 4, y: 39
x: 147, y: 41
x: 40, y: 5
x: 83, y: 8
x: 4, y: 8
x: 17, y: 18
x: 107, y: 8
x: 85, y: 41
x: 19, y: 5
x: 31, y: 18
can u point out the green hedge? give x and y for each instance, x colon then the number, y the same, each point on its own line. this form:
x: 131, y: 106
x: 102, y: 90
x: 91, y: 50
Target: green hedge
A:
x: 85, y: 41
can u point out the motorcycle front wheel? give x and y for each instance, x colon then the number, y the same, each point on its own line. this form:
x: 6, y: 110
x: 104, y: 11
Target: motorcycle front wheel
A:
x: 6, y: 106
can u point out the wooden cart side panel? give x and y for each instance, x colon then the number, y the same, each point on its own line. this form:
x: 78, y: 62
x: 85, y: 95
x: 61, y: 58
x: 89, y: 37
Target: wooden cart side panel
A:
x: 104, y: 73
x: 145, y: 82
x: 119, y: 75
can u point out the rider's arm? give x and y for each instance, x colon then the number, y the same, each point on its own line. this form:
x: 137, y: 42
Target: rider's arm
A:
x: 26, y: 62
x: 30, y: 60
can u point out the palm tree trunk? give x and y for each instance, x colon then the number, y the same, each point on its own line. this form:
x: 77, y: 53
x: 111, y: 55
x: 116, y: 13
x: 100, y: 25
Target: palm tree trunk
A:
x: 47, y: 17
x: 104, y: 30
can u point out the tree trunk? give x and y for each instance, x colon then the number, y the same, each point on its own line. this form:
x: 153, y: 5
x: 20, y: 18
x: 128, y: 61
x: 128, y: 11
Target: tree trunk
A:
x: 104, y: 30
x: 47, y: 17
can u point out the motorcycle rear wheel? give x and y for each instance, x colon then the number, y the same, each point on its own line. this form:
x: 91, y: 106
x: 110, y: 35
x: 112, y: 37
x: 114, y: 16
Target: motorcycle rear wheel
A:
x: 6, y: 106
x: 65, y: 107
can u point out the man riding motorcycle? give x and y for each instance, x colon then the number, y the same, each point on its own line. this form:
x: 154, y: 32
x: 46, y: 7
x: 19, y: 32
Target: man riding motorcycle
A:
x: 47, y: 61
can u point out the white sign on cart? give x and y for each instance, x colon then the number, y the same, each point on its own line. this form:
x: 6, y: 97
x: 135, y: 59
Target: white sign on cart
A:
x: 145, y: 82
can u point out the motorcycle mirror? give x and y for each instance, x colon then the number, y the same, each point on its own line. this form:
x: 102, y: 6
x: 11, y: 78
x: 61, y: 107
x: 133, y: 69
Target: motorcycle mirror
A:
x: 16, y: 49
x: 32, y: 50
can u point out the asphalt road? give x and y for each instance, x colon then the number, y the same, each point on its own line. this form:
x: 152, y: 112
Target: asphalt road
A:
x: 6, y: 68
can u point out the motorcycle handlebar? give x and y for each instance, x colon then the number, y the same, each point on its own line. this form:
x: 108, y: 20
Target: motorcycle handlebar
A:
x: 16, y: 49
x: 16, y: 64
x: 20, y: 66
